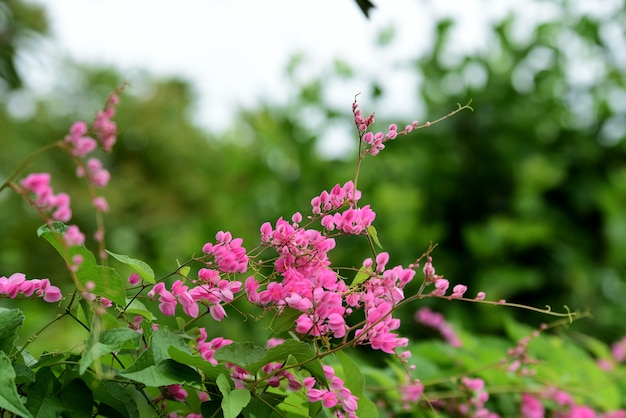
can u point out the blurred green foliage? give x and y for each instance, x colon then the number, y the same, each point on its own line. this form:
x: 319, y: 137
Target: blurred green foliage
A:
x: 524, y: 196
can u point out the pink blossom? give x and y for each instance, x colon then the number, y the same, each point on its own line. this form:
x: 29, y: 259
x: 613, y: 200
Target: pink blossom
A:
x: 101, y: 204
x: 73, y: 236
x: 531, y: 407
x: 134, y: 279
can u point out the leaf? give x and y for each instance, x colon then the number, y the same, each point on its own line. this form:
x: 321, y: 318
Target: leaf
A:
x: 39, y: 393
x: 242, y: 354
x: 137, y: 307
x: 355, y: 381
x: 107, y: 282
x: 11, y: 321
x: 361, y: 276
x: 105, y: 343
x: 167, y: 372
x: 299, y: 350
x: 285, y: 320
x: 371, y: 231
x: 210, y: 371
x: 265, y: 405
x: 113, y: 394
x: 184, y: 271
x: 9, y: 398
x: 233, y: 401
x: 142, y: 268
x: 77, y: 399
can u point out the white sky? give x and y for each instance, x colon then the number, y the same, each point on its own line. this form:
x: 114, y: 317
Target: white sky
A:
x: 236, y: 51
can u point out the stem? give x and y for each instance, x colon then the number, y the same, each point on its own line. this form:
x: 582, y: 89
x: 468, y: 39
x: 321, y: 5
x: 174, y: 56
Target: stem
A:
x: 36, y: 334
x: 32, y: 157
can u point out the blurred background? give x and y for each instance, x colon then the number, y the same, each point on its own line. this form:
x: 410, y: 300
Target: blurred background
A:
x: 236, y: 115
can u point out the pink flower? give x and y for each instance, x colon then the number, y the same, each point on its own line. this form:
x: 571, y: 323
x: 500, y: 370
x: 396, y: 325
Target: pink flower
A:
x: 531, y: 407
x: 73, y: 236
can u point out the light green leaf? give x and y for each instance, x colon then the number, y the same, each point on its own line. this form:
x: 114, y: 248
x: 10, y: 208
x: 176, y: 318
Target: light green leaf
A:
x: 9, y: 398
x: 233, y: 401
x: 371, y: 231
x: 361, y: 276
x: 137, y: 307
x: 355, y: 381
x: 184, y: 271
x: 142, y: 268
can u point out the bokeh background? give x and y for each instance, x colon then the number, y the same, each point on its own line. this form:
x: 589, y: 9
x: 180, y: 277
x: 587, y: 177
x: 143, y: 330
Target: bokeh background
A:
x: 525, y: 196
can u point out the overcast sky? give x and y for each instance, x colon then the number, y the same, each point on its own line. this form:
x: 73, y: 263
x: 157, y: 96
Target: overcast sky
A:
x: 236, y: 51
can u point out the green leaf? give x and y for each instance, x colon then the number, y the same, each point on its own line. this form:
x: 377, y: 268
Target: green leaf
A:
x: 40, y: 403
x: 136, y: 307
x: 11, y: 321
x: 371, y: 231
x: 184, y: 271
x: 362, y: 275
x: 113, y: 394
x: 142, y: 268
x: 107, y: 282
x: 296, y: 404
x: 9, y: 398
x: 285, y: 320
x: 77, y: 399
x: 105, y: 343
x: 355, y: 381
x: 242, y: 354
x: 299, y: 350
x: 265, y: 405
x: 233, y: 401
x: 167, y: 372
x: 210, y: 371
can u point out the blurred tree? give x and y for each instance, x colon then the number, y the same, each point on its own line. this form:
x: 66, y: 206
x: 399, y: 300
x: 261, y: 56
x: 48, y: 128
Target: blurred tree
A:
x: 18, y: 22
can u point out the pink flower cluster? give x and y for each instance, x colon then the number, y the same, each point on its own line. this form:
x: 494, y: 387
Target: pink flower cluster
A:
x: 228, y: 253
x: 229, y: 257
x: 437, y: 322
x: 96, y: 173
x: 339, y: 195
x: 475, y: 407
x: 45, y: 199
x: 532, y: 406
x: 309, y: 285
x: 208, y: 349
x: 618, y: 352
x: 335, y: 396
x: 17, y: 284
x: 212, y: 292
x: 411, y: 393
x: 105, y: 128
x: 376, y: 140
x: 81, y: 144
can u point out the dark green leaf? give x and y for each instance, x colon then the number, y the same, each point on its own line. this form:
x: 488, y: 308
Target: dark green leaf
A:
x: 113, y: 394
x: 9, y: 398
x: 11, y: 321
